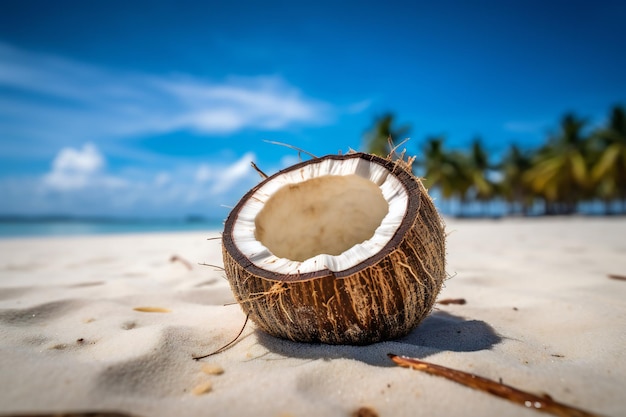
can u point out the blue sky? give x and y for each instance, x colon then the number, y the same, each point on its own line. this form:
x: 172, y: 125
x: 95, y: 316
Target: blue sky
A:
x: 157, y: 108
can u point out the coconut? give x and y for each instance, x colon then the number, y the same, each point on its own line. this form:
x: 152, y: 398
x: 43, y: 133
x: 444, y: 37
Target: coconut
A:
x: 342, y: 249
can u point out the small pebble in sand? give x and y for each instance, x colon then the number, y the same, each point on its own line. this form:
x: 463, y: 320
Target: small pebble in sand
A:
x: 203, y: 388
x: 128, y: 325
x: 365, y: 412
x: 212, y: 369
x: 59, y: 346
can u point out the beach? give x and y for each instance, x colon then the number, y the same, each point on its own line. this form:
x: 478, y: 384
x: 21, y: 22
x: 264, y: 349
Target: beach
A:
x: 111, y: 323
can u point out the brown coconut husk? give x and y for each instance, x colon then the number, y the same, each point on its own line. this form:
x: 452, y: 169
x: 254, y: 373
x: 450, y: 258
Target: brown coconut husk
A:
x: 382, y: 298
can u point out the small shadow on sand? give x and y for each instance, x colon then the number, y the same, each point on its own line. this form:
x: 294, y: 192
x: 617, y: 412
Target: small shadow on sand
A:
x: 39, y: 314
x: 439, y: 332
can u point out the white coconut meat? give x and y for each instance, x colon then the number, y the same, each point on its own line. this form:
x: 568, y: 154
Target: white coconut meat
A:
x: 333, y: 214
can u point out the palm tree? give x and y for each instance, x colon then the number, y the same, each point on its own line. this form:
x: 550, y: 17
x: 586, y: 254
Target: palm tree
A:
x: 560, y: 172
x: 478, y: 172
x: 461, y: 176
x: 434, y: 162
x: 444, y: 170
x: 609, y: 170
x: 513, y: 187
x: 382, y: 131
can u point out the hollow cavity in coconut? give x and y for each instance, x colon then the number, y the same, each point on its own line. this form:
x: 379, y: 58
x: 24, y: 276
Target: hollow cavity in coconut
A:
x: 343, y: 249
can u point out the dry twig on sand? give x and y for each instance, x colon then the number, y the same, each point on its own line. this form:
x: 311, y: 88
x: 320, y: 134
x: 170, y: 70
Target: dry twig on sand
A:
x: 447, y: 301
x: 176, y: 258
x: 618, y: 277
x: 543, y: 403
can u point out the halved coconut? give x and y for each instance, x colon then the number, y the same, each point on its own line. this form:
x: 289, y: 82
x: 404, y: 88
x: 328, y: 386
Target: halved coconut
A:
x: 343, y: 249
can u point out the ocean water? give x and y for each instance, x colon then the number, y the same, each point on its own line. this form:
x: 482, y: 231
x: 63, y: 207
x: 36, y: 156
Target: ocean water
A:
x: 16, y: 226
x: 73, y: 227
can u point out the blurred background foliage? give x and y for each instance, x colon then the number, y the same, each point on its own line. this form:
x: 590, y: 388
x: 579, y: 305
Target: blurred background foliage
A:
x: 575, y: 165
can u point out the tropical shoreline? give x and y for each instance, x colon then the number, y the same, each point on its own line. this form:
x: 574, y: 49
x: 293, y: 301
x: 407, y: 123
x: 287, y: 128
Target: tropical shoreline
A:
x: 40, y: 226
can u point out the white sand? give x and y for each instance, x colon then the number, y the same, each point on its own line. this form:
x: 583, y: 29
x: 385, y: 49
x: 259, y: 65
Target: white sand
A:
x: 541, y: 314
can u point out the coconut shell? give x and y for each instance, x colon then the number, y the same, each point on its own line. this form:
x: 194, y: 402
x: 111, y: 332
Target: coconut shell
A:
x: 382, y: 298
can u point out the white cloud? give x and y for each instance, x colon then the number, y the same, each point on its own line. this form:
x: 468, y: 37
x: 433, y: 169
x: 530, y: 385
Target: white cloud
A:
x: 74, y: 169
x: 85, y: 161
x: 51, y: 104
x: 233, y: 174
x: 262, y: 102
x: 79, y: 182
x: 77, y: 100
